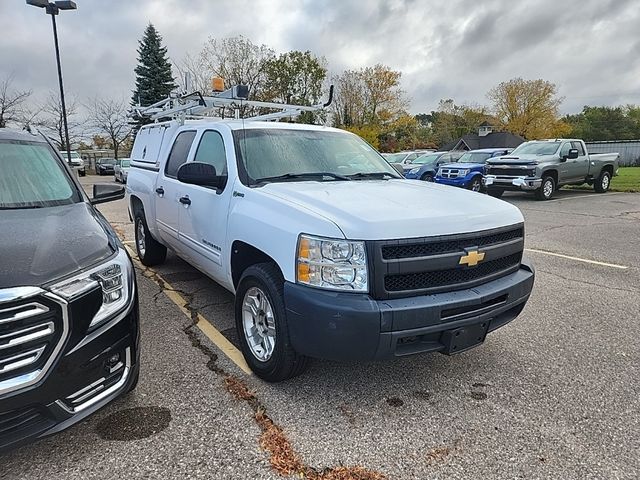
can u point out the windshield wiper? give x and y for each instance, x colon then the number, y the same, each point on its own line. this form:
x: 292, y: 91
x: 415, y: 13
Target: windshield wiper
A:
x: 373, y: 175
x: 297, y: 176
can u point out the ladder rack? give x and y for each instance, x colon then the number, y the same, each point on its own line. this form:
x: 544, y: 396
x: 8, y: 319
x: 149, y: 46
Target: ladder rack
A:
x: 181, y: 106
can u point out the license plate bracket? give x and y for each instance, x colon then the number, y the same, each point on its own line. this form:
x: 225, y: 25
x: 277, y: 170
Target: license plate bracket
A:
x: 464, y: 338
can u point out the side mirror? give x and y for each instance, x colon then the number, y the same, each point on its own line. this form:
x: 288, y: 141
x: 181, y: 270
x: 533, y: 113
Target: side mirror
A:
x: 107, y: 192
x: 573, y: 153
x: 200, y: 173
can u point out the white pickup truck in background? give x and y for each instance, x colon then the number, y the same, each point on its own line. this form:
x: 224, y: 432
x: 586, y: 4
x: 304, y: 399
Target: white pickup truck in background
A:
x: 308, y: 226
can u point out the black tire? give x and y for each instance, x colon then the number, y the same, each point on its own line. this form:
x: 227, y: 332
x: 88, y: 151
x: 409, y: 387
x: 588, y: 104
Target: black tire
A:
x: 475, y: 185
x: 284, y: 362
x: 115, y: 179
x: 603, y: 182
x: 548, y: 186
x: 82, y: 173
x: 154, y: 252
x: 427, y: 177
x: 135, y: 380
x: 495, y: 192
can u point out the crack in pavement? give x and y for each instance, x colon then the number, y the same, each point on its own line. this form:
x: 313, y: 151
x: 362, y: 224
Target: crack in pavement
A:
x: 584, y: 282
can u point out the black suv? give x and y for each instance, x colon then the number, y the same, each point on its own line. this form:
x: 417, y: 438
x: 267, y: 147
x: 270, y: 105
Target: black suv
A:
x: 69, y: 329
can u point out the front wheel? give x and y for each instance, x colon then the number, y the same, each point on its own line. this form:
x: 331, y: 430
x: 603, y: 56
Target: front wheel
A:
x: 548, y: 186
x: 262, y: 327
x: 603, y: 182
x: 427, y: 177
x: 495, y: 192
x: 150, y: 252
x: 475, y: 185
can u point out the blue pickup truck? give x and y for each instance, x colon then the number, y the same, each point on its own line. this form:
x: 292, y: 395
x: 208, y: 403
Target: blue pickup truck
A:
x: 467, y: 172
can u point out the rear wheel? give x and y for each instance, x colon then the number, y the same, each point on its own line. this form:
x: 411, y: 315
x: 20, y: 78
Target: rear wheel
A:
x: 548, y: 186
x: 475, y: 184
x: 262, y: 326
x: 427, y: 177
x: 495, y: 192
x: 603, y: 182
x: 150, y: 252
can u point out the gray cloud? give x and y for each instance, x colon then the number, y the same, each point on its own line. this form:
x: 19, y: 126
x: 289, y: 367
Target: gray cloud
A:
x: 450, y: 49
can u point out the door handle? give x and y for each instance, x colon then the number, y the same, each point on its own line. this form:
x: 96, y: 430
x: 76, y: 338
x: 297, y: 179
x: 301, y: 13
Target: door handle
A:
x: 185, y: 200
x: 160, y: 191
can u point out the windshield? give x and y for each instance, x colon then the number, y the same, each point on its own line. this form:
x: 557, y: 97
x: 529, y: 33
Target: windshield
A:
x: 32, y: 177
x: 428, y: 158
x: 537, y: 148
x: 107, y: 161
x: 474, y: 157
x: 73, y: 154
x: 267, y: 153
x: 124, y: 163
x: 395, y: 157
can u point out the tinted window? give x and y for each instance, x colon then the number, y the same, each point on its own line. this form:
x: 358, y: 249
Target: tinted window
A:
x: 578, y: 146
x: 564, y: 151
x: 33, y: 177
x: 211, y: 150
x: 179, y: 152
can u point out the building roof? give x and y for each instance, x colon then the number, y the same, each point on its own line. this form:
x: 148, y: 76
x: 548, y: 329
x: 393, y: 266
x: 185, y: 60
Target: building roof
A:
x: 473, y: 141
x: 485, y: 124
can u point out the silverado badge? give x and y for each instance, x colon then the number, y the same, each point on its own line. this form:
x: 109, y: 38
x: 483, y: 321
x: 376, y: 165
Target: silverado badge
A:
x: 472, y: 258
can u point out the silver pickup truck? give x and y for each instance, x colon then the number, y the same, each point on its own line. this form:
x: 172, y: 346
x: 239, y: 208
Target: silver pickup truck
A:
x: 543, y: 166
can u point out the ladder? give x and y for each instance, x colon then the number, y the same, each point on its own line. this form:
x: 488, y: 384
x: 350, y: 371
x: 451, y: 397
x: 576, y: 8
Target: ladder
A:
x: 194, y: 105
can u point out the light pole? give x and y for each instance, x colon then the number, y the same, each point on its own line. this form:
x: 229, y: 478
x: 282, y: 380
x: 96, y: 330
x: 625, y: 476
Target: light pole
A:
x: 53, y: 8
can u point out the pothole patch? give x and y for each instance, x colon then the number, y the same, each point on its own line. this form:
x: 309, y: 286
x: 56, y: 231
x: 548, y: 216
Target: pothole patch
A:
x: 134, y: 423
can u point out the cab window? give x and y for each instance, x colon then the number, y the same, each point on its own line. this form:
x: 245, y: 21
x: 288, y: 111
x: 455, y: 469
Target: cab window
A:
x: 564, y: 151
x: 179, y: 153
x: 211, y: 150
x: 578, y: 146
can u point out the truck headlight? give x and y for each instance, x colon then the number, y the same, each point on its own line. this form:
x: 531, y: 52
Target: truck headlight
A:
x: 115, y: 277
x: 414, y: 170
x: 332, y: 263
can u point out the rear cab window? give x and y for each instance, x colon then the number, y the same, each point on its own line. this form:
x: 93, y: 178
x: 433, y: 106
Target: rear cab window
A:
x: 179, y: 152
x: 33, y: 177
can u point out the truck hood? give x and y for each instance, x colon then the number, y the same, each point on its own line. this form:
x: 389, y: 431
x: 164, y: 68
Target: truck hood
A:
x: 42, y: 245
x: 390, y: 209
x: 522, y: 159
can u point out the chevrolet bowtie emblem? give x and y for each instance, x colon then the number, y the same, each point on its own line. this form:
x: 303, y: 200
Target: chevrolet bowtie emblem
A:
x: 472, y: 258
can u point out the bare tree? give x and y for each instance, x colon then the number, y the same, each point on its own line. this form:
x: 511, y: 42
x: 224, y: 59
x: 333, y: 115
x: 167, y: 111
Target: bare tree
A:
x: 50, y: 119
x: 109, y: 117
x: 11, y: 101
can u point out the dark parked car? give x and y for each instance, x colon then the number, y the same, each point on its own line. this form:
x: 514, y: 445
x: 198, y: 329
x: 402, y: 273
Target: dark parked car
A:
x: 426, y: 166
x: 69, y: 331
x: 105, y: 166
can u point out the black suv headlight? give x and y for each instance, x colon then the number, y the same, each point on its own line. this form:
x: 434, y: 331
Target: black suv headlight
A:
x: 115, y: 277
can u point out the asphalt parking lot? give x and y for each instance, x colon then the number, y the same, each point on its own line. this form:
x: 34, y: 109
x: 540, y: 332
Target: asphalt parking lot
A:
x: 555, y: 394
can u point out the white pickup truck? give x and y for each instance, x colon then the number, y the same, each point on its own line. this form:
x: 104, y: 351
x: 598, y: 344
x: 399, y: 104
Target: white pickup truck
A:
x: 310, y: 228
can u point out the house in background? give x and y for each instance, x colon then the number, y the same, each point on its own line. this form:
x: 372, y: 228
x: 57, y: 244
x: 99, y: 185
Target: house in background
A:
x: 486, y: 138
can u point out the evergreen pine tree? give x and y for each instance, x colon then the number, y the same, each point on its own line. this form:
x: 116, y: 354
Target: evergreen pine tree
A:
x: 154, y: 80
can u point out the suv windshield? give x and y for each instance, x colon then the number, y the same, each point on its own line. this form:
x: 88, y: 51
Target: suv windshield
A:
x: 474, y: 157
x: 285, y: 155
x: 537, y: 148
x: 124, y: 163
x: 32, y: 177
x: 395, y: 157
x: 107, y: 161
x: 428, y: 158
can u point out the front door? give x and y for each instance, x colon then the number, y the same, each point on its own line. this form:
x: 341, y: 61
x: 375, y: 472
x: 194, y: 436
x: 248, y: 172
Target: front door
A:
x: 203, y: 223
x: 168, y: 189
x: 579, y: 166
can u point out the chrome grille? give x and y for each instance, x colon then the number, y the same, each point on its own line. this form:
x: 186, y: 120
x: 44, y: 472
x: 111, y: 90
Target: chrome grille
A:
x: 449, y: 172
x: 32, y: 330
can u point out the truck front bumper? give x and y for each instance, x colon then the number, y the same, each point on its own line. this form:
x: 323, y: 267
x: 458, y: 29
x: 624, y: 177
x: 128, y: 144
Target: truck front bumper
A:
x: 347, y: 326
x: 512, y: 183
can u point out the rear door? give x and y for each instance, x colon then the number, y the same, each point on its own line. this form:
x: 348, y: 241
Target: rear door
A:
x: 169, y: 189
x: 203, y: 223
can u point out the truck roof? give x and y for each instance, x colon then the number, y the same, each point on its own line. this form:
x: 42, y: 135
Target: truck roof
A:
x: 558, y: 140
x: 19, y: 135
x: 234, y: 124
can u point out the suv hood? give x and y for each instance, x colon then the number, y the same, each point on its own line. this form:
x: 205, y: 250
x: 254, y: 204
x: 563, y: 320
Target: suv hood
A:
x: 462, y: 165
x: 390, y: 209
x: 41, y: 245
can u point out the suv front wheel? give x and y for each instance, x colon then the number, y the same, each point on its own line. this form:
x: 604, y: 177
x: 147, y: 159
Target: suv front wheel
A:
x: 261, y: 323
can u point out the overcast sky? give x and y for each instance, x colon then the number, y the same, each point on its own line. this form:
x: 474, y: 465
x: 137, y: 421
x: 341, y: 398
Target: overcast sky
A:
x: 445, y: 49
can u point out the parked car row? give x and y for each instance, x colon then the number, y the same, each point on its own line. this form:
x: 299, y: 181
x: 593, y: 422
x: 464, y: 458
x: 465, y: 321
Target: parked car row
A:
x: 540, y: 166
x: 76, y: 161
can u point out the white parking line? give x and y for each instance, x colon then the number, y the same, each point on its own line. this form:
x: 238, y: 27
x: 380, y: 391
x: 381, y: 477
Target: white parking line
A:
x: 591, y: 195
x: 577, y: 259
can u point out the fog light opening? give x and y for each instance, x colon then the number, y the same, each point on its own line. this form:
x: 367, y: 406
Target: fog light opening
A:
x: 113, y: 362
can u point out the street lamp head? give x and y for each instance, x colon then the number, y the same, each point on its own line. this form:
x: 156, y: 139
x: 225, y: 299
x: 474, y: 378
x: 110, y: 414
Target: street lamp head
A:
x: 66, y: 5
x: 38, y: 3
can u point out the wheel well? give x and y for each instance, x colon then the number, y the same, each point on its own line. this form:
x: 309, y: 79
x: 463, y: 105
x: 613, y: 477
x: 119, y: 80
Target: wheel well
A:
x: 608, y: 168
x: 136, y: 204
x: 243, y: 256
x: 552, y: 173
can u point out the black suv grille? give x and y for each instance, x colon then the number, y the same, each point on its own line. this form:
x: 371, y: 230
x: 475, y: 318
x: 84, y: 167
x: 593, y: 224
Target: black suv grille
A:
x: 411, y: 250
x: 419, y: 266
x: 30, y: 330
x: 444, y: 278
